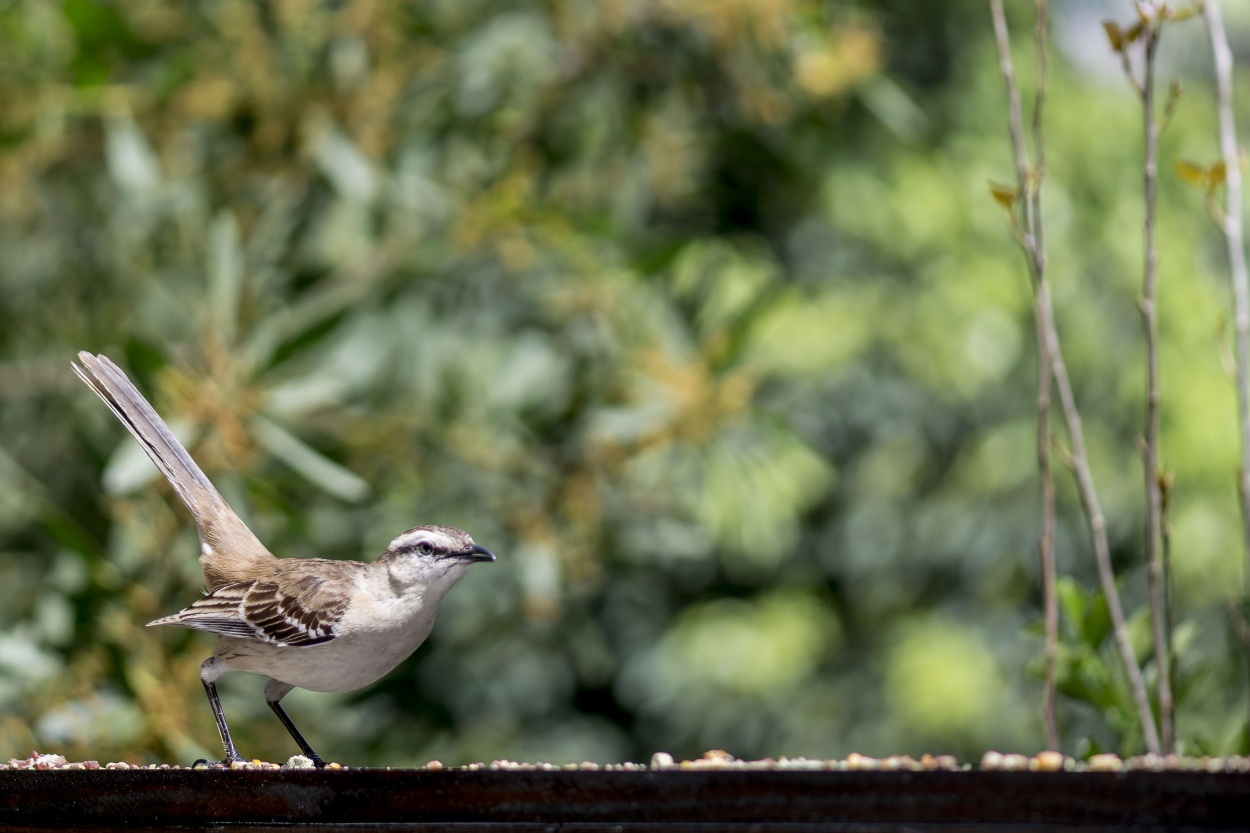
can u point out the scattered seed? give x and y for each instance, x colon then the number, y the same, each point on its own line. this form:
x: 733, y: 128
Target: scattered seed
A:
x: 1047, y: 761
x: 1105, y: 762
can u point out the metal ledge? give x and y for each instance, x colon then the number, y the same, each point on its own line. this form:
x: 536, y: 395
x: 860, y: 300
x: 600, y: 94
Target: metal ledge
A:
x: 625, y: 801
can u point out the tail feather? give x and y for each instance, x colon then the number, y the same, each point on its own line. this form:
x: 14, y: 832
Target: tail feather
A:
x: 229, y: 549
x: 169, y: 455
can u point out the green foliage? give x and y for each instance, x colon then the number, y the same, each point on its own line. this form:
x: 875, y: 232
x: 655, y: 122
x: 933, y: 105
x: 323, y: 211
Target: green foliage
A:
x: 695, y: 313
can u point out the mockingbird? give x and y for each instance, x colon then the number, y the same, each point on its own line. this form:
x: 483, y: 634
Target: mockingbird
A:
x: 302, y: 622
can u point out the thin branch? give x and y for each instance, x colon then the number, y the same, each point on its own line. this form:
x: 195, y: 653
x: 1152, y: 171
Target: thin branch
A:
x: 1007, y: 68
x: 1039, y: 147
x: 1167, y: 481
x: 1169, y: 108
x: 1232, y: 227
x: 1046, y: 539
x: 1098, y: 531
x: 1128, y: 70
x: 1029, y: 236
x: 1044, y: 315
x: 1151, y: 127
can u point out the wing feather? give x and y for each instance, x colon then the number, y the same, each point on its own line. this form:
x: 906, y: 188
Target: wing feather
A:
x: 301, y: 613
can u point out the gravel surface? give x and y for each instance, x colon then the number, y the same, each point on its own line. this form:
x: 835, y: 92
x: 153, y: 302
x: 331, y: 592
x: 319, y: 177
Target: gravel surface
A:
x: 719, y: 760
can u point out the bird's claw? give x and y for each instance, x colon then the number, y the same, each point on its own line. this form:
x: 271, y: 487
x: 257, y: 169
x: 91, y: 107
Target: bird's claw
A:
x: 204, y: 763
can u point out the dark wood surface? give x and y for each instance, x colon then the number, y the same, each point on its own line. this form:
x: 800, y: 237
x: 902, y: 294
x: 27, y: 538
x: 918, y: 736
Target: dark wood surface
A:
x: 625, y: 801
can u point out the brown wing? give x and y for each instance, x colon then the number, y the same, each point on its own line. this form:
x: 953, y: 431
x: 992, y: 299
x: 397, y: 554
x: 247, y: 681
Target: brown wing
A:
x: 298, y: 611
x: 220, y: 612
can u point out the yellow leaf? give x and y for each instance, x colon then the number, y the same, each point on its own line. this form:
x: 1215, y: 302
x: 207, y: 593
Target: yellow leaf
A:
x: 1004, y: 195
x: 1216, y: 175
x: 1114, y: 35
x: 1191, y: 174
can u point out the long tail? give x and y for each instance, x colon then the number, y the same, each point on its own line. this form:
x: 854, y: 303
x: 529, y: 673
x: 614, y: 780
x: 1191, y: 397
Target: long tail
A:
x: 229, y: 550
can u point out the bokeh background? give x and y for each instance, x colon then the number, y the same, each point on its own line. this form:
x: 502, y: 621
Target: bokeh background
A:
x: 699, y: 313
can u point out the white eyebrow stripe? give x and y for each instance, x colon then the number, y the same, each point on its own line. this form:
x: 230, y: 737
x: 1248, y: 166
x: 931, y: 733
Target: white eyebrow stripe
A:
x: 440, y: 539
x: 410, y: 539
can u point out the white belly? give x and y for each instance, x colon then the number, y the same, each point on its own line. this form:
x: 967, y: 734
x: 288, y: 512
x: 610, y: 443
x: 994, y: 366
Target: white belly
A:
x: 342, y: 664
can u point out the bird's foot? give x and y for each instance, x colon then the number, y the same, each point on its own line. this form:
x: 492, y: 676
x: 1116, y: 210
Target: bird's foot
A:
x: 228, y: 762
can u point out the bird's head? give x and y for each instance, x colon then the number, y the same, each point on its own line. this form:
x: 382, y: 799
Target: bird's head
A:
x: 432, y: 556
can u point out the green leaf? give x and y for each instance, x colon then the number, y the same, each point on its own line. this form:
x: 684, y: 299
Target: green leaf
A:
x: 1071, y: 600
x: 225, y: 274
x: 1184, y: 635
x: 320, y: 470
x: 1097, y: 622
x: 131, y: 160
x: 1141, y: 634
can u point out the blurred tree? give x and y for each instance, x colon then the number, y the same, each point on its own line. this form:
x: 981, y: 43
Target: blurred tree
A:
x: 694, y: 312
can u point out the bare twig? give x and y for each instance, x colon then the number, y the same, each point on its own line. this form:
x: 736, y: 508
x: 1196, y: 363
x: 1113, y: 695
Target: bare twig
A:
x: 1151, y: 128
x: 1046, y: 540
x: 1128, y: 71
x: 1098, y: 530
x: 1169, y: 108
x: 1028, y: 190
x: 1166, y: 482
x: 1049, y: 336
x: 1024, y: 180
x: 1231, y: 224
x: 1232, y: 228
x: 1148, y: 29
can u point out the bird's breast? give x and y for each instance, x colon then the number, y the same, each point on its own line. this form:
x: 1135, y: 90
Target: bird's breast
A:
x: 364, y: 652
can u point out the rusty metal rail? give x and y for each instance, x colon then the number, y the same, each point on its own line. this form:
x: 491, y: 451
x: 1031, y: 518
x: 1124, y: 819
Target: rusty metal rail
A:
x: 625, y: 801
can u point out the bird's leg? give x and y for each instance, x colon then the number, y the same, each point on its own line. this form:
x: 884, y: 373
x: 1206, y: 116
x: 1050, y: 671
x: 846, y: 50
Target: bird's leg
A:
x: 275, y: 690
x: 209, y: 672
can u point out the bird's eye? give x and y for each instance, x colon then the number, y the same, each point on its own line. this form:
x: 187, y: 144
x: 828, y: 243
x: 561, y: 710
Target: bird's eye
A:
x: 425, y: 548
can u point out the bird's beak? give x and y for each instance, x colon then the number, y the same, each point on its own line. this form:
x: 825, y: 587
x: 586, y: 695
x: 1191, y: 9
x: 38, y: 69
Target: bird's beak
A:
x: 474, y: 553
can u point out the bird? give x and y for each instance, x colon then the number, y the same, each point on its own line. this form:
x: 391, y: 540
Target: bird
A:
x: 312, y: 623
